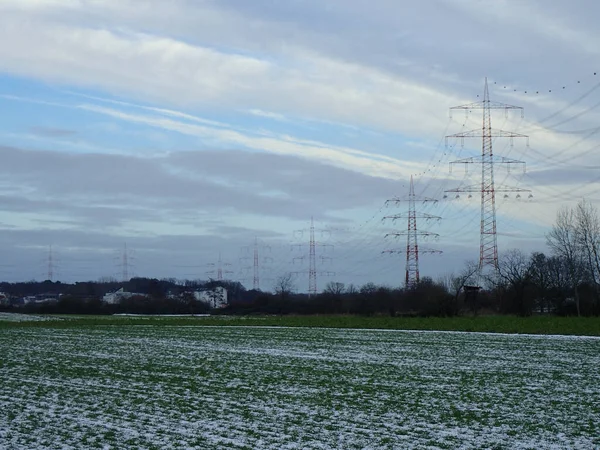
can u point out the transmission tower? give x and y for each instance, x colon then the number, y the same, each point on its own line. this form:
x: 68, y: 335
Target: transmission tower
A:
x: 312, y: 259
x: 256, y: 267
x: 412, y: 233
x: 220, y: 268
x: 51, y: 264
x: 488, y: 249
x: 124, y: 262
x: 256, y: 279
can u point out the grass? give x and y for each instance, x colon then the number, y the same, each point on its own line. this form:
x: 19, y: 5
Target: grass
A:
x: 583, y: 326
x: 101, y: 382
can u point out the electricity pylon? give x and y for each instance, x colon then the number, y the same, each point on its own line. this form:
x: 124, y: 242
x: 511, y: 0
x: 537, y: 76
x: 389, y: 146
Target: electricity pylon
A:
x: 488, y: 248
x: 51, y: 264
x: 412, y: 233
x: 220, y: 270
x: 256, y: 267
x: 125, y: 263
x: 312, y: 259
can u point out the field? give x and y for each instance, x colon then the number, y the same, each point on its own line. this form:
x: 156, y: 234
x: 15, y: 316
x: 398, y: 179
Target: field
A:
x: 175, y: 387
x: 580, y: 326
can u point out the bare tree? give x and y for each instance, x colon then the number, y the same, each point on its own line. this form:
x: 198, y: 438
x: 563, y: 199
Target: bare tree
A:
x: 466, y: 277
x: 588, y: 238
x: 456, y: 283
x: 351, y: 289
x: 368, y: 289
x: 335, y: 288
x: 284, y: 285
x: 542, y: 279
x: 516, y: 272
x: 564, y: 241
x: 558, y: 274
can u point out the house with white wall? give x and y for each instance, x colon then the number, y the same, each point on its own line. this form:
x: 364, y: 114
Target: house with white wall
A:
x: 215, y: 297
x: 114, y: 298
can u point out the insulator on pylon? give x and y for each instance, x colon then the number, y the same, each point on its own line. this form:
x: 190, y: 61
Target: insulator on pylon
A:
x: 518, y: 196
x: 505, y: 195
x: 470, y: 196
x: 530, y: 196
x: 457, y: 196
x: 445, y: 196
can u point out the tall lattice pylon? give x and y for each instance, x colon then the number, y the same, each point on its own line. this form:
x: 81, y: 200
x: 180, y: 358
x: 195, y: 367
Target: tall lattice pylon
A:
x: 312, y: 261
x: 51, y: 264
x: 220, y: 268
x: 256, y: 269
x: 488, y: 249
x: 125, y: 263
x: 312, y: 258
x: 257, y: 266
x: 412, y: 233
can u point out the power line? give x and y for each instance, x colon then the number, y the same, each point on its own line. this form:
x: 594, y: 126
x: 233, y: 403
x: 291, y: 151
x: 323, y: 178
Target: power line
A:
x: 538, y: 90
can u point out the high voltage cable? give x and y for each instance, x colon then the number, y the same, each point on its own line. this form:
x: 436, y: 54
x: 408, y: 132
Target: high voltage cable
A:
x: 592, y: 130
x: 536, y: 91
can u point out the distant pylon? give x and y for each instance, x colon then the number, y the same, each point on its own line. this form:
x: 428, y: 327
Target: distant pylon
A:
x: 125, y: 263
x: 256, y: 277
x: 412, y: 246
x: 220, y: 270
x: 412, y: 276
x: 50, y: 264
x: 258, y: 249
x: 488, y: 248
x: 312, y: 259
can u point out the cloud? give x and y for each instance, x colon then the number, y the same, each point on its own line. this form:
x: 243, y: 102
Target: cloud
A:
x: 111, y: 189
x: 371, y: 163
x: 298, y: 79
x: 299, y: 108
x: 268, y: 115
x: 52, y: 132
x: 167, y: 70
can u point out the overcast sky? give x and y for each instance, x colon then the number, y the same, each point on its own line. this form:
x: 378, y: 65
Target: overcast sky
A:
x: 188, y: 128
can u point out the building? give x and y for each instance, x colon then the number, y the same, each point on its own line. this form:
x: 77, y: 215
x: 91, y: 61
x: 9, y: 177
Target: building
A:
x: 215, y: 297
x: 41, y: 298
x: 114, y: 298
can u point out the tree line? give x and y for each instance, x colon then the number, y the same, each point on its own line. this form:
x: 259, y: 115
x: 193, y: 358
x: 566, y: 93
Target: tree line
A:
x: 566, y: 281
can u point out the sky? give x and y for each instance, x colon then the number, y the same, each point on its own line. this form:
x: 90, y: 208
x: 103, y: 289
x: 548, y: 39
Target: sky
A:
x: 184, y: 133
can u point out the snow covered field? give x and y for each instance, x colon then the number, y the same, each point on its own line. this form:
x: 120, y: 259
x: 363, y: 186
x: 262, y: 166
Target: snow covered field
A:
x: 167, y: 387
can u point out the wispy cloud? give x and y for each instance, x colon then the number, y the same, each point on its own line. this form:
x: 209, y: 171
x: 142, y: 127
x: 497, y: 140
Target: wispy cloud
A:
x: 149, y: 119
x: 268, y: 115
x: 52, y: 132
x: 373, y: 164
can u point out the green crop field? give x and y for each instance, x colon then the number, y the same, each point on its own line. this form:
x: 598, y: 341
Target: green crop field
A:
x: 581, y: 326
x: 108, y: 385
